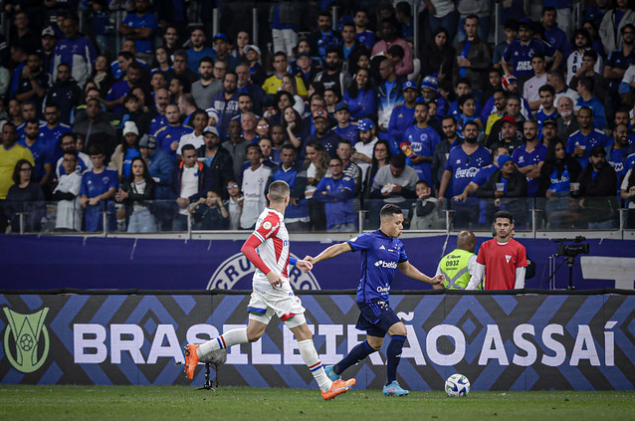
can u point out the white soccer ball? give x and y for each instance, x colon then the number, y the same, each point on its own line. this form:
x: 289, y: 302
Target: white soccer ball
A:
x: 457, y: 385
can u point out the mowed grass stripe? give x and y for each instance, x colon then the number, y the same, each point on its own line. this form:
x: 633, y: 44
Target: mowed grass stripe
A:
x: 158, y: 403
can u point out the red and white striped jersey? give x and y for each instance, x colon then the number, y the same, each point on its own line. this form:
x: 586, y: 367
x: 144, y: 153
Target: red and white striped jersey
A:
x: 274, y: 250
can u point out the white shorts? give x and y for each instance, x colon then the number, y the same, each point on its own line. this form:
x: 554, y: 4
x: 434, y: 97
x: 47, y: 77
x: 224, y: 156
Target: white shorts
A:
x: 265, y: 302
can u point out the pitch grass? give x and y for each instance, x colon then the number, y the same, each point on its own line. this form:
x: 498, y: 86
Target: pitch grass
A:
x: 157, y: 403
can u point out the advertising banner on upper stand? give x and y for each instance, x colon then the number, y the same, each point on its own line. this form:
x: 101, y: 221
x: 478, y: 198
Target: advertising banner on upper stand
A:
x: 500, y: 342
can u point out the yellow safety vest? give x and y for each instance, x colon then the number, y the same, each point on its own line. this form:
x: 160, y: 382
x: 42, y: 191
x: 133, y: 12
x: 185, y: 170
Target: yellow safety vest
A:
x: 455, y: 268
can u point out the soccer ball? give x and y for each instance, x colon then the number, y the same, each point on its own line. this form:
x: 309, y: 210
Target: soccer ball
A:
x: 457, y: 385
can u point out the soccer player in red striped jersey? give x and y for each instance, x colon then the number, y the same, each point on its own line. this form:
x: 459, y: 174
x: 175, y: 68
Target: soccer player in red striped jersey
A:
x: 502, y: 259
x: 268, y: 250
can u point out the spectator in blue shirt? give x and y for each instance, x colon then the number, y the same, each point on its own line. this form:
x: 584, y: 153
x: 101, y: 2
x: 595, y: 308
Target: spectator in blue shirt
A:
x: 117, y: 94
x: 198, y: 49
x: 140, y: 26
x: 362, y: 33
x: 226, y: 103
x: 337, y: 192
x: 74, y: 50
x: 617, y: 152
x: 168, y: 136
x: 99, y: 186
x: 586, y: 86
x: 361, y: 96
x: 423, y: 141
x: 324, y: 38
x: 403, y: 115
x: 582, y: 141
x: 557, y: 37
x: 160, y: 167
x: 530, y: 157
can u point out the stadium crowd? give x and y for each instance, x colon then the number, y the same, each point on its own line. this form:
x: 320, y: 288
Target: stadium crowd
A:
x: 181, y: 125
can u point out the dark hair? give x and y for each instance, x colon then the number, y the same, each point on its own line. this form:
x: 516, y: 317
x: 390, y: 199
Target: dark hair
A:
x: 470, y: 123
x: 549, y: 9
x: 353, y: 90
x: 126, y: 55
x: 146, y: 174
x: 547, y: 88
x: 253, y: 146
x: 449, y: 117
x: 398, y: 161
x: 629, y: 26
x: 289, y: 146
x: 184, y: 81
x: 396, y: 51
x: 96, y: 149
x: 424, y: 182
x: 511, y: 24
x: 335, y: 50
x: 374, y: 163
x: 583, y: 32
x: 16, y: 171
x: 463, y: 99
x: 344, y: 142
x: 180, y: 53
x: 472, y: 16
x: 592, y: 54
x: 587, y: 82
x: 336, y: 158
x: 539, y: 55
x: 187, y: 147
x: 279, y: 95
x: 505, y: 215
x: 389, y: 210
x: 325, y: 13
x: 71, y: 152
x: 404, y: 7
x: 465, y: 81
x: 206, y: 59
x: 298, y: 120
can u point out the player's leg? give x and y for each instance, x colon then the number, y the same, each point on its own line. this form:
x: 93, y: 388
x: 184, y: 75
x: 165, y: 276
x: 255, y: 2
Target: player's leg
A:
x: 303, y: 335
x: 397, y: 334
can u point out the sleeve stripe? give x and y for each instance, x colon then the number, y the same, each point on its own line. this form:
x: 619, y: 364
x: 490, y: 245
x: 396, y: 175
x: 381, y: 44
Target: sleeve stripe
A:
x: 257, y: 234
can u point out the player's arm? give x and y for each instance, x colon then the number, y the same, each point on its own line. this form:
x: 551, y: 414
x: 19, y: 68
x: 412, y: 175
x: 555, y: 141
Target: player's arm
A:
x: 330, y: 253
x: 520, y: 278
x: 303, y: 265
x: 249, y: 250
x: 441, y: 285
x: 412, y: 272
x: 477, y: 276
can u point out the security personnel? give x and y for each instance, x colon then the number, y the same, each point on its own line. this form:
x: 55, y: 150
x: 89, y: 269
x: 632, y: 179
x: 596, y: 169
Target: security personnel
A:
x: 457, y: 266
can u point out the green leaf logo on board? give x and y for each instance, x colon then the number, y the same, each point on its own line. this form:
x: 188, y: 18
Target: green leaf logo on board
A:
x: 26, y: 340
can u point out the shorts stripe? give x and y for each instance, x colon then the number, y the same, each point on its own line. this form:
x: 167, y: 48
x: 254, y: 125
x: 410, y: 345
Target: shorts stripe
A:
x: 256, y: 310
x: 287, y: 316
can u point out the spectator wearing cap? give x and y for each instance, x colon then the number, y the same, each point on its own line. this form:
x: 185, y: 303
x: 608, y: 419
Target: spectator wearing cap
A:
x: 508, y: 136
x: 207, y: 86
x: 430, y: 90
x: 160, y: 167
x: 598, y: 183
x: 222, y: 53
x: 520, y: 52
x: 304, y: 67
x: 257, y: 74
x: 361, y: 96
x: 47, y: 48
x: 402, y: 117
x: 390, y: 94
x: 324, y: 38
x: 511, y: 197
x: 420, y: 141
x: 530, y: 157
x: 389, y: 38
x: 613, y: 23
x: 333, y: 77
x: 474, y: 57
x: 75, y: 50
x: 547, y: 108
x: 344, y: 128
x: 217, y: 159
x: 582, y: 141
x: 323, y: 134
x: 351, y: 48
x: 141, y: 27
x: 274, y: 82
x: 549, y: 131
x: 126, y: 151
x: 198, y: 49
x: 363, y: 155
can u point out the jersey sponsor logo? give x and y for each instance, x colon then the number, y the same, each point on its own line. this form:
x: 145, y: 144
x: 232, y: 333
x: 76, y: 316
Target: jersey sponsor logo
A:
x: 236, y: 272
x: 382, y: 248
x: 524, y: 65
x: 386, y: 265
x: 466, y: 172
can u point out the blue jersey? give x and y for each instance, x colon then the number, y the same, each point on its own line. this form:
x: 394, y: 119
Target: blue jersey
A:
x: 541, y: 117
x: 92, y: 186
x: 168, y: 134
x: 52, y: 136
x: 522, y: 158
x: 483, y: 175
x: 339, y: 199
x: 381, y: 256
x: 157, y: 122
x: 615, y: 157
x: 423, y: 142
x: 42, y: 154
x: 520, y: 55
x: 558, y: 39
x: 367, y: 38
x: 562, y: 184
x: 349, y: 133
x: 401, y: 119
x: 464, y: 167
x: 193, y: 57
x: 630, y: 162
x: 118, y: 90
x: 599, y: 116
x: 595, y: 137
x: 148, y: 20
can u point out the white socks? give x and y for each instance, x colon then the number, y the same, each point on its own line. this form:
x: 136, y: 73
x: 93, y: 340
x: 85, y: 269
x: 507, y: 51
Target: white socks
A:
x: 227, y: 339
x: 311, y: 359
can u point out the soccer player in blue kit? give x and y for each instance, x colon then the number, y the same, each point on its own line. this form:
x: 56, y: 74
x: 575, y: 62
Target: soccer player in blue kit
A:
x: 382, y: 253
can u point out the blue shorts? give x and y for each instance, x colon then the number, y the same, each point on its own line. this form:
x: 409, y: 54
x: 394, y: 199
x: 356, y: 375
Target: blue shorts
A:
x: 376, y: 317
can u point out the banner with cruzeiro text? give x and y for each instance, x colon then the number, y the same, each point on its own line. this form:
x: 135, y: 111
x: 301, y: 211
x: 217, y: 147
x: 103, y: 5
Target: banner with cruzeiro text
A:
x: 500, y: 342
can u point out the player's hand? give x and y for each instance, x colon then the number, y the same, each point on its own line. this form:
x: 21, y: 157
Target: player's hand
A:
x: 93, y: 201
x: 274, y: 279
x: 438, y: 280
x: 459, y: 198
x: 309, y: 259
x: 304, y: 266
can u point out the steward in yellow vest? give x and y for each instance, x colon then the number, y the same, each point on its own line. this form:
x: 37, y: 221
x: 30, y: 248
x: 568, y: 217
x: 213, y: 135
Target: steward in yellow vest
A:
x: 457, y: 266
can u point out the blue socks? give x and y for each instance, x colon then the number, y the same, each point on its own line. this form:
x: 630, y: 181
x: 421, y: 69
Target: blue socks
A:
x: 393, y: 355
x: 358, y: 353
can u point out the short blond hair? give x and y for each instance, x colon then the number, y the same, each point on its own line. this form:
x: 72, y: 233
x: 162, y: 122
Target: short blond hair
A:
x: 278, y: 190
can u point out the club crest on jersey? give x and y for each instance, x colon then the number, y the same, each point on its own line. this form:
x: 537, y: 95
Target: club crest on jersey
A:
x: 267, y: 225
x: 508, y: 258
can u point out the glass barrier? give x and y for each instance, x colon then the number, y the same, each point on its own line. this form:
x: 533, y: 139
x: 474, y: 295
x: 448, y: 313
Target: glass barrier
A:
x: 548, y: 214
